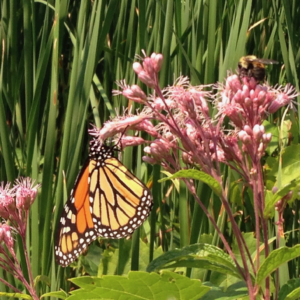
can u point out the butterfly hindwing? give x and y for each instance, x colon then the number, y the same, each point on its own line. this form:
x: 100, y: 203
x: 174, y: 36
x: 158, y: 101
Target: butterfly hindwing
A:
x: 107, y: 200
x: 121, y: 201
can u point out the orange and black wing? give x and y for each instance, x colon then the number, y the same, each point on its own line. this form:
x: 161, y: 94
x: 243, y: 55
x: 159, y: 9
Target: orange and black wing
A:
x: 121, y: 202
x: 76, y: 229
x: 107, y: 200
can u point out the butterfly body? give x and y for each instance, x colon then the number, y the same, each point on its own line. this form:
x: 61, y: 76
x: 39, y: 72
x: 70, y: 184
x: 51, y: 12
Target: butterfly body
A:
x: 107, y: 200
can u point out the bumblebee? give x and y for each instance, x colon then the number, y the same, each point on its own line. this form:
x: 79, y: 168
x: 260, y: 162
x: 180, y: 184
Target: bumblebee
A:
x: 251, y: 66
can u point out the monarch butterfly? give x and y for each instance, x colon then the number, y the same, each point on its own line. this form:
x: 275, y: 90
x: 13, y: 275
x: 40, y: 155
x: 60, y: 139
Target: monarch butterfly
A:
x: 107, y: 200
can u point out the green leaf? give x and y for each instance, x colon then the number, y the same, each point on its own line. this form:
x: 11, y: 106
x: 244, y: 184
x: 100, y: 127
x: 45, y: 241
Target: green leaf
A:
x: 290, y: 290
x: 235, y: 291
x: 198, y: 175
x: 16, y: 295
x: 110, y: 264
x: 58, y: 294
x: 92, y: 259
x: 270, y: 128
x: 290, y: 164
x: 294, y: 295
x: 275, y: 259
x: 196, y: 256
x: 139, y: 285
x: 175, y: 181
x: 42, y: 278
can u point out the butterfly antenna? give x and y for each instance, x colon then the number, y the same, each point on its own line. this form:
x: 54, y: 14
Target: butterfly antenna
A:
x: 120, y: 139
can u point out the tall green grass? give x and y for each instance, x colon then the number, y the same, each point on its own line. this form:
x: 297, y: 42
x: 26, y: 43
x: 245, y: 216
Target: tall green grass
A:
x: 59, y: 63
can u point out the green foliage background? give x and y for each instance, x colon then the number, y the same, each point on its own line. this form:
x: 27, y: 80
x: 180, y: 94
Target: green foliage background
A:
x: 59, y: 63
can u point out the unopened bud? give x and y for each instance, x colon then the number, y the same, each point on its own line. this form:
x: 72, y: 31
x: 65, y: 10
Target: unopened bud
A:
x: 248, y: 102
x: 157, y: 61
x: 260, y: 148
x: 148, y: 66
x: 186, y: 158
x: 138, y: 92
x: 149, y: 160
x: 267, y: 137
x: 137, y: 67
x: 248, y: 129
x: 258, y: 132
x: 6, y: 236
x: 145, y: 78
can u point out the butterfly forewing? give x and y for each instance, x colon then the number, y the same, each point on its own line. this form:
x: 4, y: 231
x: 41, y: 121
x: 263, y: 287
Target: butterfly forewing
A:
x: 107, y: 200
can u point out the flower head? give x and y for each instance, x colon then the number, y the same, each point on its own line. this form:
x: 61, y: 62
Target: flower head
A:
x: 134, y: 92
x: 249, y: 103
x: 7, y: 201
x: 147, y: 71
x: 5, y: 236
x: 26, y: 192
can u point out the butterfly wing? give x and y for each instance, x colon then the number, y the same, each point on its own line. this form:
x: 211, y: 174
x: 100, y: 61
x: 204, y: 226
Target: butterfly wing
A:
x: 76, y: 229
x: 121, y: 202
x: 107, y: 200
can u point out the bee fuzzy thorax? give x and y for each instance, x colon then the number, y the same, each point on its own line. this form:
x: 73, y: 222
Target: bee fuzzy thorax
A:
x: 251, y: 66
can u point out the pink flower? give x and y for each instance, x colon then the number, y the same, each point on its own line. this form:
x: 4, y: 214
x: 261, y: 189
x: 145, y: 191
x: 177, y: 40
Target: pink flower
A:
x: 147, y: 72
x: 158, y: 104
x: 283, y: 97
x: 5, y: 236
x: 250, y: 103
x: 26, y: 192
x: 157, y: 60
x: 128, y: 141
x: 118, y: 125
x: 134, y: 92
x: 7, y: 201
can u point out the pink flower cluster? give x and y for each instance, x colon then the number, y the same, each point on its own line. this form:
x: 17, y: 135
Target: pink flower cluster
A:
x: 248, y: 103
x: 182, y: 134
x: 184, y: 130
x: 14, y: 205
x: 14, y: 208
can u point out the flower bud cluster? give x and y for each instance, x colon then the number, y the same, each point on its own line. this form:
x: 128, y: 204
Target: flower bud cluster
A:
x: 14, y: 208
x: 147, y: 71
x: 250, y: 103
x: 254, y: 140
x: 160, y: 151
x: 15, y: 202
x: 184, y: 130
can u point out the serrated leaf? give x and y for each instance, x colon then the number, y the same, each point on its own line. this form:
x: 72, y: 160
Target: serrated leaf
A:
x: 139, y: 286
x: 16, y: 295
x: 275, y: 259
x: 197, y: 256
x: 198, y: 175
x: 57, y: 294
